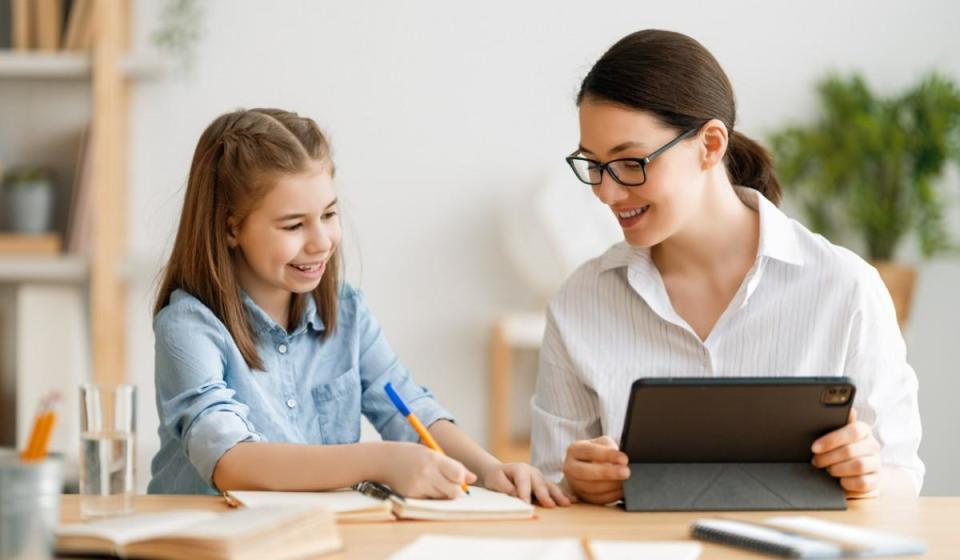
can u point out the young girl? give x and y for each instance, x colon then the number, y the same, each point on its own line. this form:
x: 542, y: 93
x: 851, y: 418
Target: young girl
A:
x: 713, y: 280
x: 265, y: 360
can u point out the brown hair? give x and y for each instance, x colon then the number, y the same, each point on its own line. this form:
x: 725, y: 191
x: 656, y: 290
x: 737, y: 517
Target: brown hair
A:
x: 233, y: 164
x: 680, y: 82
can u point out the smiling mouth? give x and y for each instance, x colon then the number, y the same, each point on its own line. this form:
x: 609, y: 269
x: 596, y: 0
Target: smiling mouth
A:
x: 308, y: 267
x: 625, y: 214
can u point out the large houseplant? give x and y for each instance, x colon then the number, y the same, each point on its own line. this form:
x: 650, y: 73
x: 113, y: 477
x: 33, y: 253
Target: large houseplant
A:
x: 871, y: 165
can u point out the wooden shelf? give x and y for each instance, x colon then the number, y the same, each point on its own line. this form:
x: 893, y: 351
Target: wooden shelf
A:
x: 62, y: 268
x: 37, y: 65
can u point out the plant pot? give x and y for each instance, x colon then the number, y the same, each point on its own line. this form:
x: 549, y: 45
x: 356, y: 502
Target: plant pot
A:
x: 900, y: 281
x: 28, y: 206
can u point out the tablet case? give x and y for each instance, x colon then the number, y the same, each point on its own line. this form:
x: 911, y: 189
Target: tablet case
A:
x: 731, y: 444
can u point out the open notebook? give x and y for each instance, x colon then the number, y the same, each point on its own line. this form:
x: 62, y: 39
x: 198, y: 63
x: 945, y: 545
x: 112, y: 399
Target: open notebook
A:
x: 445, y: 547
x: 353, y: 506
x: 288, y: 532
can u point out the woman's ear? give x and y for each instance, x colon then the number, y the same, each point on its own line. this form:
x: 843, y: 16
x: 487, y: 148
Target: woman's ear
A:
x: 714, y: 140
x: 232, y: 233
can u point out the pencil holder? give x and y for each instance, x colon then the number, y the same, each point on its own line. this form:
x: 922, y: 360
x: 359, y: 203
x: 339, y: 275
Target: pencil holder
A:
x: 29, y: 505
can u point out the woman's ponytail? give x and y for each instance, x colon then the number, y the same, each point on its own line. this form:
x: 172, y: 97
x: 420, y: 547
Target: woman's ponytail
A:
x: 750, y: 165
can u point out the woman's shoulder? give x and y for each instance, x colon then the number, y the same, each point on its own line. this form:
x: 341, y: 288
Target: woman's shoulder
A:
x: 588, y: 278
x: 833, y: 264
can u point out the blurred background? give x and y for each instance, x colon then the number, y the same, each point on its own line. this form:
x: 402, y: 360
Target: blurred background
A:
x: 449, y: 124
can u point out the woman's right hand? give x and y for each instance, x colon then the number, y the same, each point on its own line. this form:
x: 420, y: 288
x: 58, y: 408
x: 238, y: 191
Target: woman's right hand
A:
x: 595, y: 469
x: 416, y: 471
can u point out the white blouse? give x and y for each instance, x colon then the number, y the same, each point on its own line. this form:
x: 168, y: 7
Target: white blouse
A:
x: 806, y: 308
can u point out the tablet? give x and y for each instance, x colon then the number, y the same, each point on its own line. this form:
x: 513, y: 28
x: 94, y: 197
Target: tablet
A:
x: 733, y: 419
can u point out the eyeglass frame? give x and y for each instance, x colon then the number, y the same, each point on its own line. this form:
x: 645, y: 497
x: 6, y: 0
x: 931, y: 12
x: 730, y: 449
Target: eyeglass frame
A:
x: 644, y: 161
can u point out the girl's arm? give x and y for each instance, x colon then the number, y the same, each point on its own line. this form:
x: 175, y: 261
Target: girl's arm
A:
x: 411, y: 469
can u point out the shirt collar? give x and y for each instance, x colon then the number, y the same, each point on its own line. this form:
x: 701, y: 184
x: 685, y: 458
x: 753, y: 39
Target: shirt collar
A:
x: 262, y: 322
x: 778, y: 238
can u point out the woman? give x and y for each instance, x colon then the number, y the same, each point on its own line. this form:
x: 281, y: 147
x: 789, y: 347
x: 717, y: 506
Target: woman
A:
x: 712, y: 280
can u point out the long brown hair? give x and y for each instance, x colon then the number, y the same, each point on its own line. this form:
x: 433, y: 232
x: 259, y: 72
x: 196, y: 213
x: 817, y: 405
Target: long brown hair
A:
x: 233, y: 165
x: 675, y: 78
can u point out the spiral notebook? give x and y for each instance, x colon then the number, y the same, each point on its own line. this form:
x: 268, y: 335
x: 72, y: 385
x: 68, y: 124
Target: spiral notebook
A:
x: 370, y: 501
x: 806, y: 537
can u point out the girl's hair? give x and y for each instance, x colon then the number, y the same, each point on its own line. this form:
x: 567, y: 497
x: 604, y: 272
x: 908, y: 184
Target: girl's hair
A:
x: 235, y: 163
x: 680, y: 82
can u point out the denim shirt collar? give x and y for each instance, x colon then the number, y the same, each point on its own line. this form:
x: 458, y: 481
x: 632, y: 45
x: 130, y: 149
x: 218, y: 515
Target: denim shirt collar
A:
x: 262, y: 322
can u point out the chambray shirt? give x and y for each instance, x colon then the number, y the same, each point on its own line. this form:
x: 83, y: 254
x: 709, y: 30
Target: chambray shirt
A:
x: 312, y: 392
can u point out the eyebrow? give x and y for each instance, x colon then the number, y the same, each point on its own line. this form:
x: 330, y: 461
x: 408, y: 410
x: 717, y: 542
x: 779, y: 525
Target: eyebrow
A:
x: 616, y: 149
x: 286, y: 217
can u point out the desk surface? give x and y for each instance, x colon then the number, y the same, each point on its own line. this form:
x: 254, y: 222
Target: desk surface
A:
x: 937, y: 520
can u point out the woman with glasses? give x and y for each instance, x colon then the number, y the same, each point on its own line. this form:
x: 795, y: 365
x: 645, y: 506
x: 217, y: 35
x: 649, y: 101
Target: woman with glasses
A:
x: 712, y: 280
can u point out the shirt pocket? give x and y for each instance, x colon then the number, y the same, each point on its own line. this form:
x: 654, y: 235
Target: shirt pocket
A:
x: 338, y: 408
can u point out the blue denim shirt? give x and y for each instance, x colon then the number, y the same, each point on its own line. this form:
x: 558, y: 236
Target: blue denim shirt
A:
x: 312, y: 392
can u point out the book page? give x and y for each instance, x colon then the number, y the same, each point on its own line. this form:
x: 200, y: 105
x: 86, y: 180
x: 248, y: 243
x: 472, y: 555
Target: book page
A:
x: 235, y: 525
x: 337, y: 501
x: 139, y: 526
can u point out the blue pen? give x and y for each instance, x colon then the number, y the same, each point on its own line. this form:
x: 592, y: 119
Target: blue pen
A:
x: 417, y: 425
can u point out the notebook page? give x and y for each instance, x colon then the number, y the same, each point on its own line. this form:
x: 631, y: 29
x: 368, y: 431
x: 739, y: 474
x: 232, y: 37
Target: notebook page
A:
x: 239, y: 523
x: 480, y: 500
x: 130, y: 528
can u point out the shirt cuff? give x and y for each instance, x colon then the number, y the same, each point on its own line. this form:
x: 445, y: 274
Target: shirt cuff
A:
x: 212, y: 435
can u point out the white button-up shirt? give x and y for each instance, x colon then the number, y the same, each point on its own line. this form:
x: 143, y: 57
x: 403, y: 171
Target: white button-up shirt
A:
x: 806, y: 308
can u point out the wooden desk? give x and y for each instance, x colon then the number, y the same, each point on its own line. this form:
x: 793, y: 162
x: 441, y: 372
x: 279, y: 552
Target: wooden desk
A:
x: 937, y: 520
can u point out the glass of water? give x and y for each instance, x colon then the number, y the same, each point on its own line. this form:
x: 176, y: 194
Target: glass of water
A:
x: 107, y: 441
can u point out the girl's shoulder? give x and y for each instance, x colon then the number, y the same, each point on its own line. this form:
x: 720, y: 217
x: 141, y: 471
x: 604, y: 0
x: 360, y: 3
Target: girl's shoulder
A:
x: 184, y: 310
x: 833, y: 265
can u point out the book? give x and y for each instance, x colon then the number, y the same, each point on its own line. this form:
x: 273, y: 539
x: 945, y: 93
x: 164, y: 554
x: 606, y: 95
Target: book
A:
x: 444, y: 547
x: 806, y: 537
x: 29, y: 244
x: 80, y: 212
x: 48, y: 18
x: 20, y: 28
x: 77, y: 30
x: 6, y: 23
x: 289, y: 532
x: 351, y: 505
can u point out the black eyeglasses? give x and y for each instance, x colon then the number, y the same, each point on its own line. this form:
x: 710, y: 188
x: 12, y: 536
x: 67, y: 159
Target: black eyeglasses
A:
x: 629, y: 172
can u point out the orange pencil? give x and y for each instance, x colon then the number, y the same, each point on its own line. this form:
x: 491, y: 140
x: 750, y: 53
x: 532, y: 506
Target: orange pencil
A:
x: 39, y: 441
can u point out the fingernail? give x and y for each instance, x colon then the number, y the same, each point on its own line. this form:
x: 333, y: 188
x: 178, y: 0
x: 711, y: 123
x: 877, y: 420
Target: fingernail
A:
x: 816, y: 447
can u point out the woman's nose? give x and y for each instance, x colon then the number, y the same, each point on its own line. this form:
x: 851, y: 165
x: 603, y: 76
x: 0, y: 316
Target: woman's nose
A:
x: 609, y: 191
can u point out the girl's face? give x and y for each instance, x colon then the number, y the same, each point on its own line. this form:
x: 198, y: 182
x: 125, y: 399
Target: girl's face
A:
x: 284, y: 244
x: 655, y: 210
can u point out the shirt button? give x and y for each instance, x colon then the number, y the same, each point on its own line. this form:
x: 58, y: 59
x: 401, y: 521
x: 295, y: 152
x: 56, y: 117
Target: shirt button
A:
x: 291, y: 403
x: 282, y: 348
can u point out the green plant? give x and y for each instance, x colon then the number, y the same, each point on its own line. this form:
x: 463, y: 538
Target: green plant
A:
x: 871, y: 163
x: 26, y: 176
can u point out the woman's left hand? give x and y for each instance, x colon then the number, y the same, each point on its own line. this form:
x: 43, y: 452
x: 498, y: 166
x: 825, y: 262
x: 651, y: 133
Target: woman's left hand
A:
x: 525, y: 482
x: 851, y: 454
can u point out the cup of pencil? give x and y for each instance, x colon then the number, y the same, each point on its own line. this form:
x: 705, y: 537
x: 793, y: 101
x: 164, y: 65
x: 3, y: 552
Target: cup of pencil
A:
x: 31, y: 481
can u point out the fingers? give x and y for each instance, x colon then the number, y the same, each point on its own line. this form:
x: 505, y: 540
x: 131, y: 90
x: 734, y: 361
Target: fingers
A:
x: 603, y: 497
x: 542, y: 493
x: 594, y: 487
x: 599, y: 450
x: 855, y: 467
x: 522, y: 482
x: 842, y: 436
x: 863, y: 448
x: 861, y: 484
x: 453, y: 470
x: 580, y: 470
x: 558, y: 495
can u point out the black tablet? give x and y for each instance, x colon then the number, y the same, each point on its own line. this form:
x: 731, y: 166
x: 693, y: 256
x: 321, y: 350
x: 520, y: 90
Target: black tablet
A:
x: 733, y: 419
x: 732, y: 443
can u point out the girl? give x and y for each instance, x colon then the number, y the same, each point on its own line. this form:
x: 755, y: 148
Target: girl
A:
x: 265, y: 360
x: 713, y: 280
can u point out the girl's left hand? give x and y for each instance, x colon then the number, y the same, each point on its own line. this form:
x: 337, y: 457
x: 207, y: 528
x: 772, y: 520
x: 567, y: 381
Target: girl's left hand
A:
x: 525, y: 482
x: 851, y: 454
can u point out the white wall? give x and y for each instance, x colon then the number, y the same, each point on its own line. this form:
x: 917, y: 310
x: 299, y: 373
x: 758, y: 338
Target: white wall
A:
x: 438, y: 111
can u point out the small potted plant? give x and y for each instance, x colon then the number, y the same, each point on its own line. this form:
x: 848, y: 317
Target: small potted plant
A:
x: 870, y: 165
x: 28, y: 197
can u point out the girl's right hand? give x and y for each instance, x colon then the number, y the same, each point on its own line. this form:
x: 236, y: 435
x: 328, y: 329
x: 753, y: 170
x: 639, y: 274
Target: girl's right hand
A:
x: 416, y: 471
x: 595, y: 470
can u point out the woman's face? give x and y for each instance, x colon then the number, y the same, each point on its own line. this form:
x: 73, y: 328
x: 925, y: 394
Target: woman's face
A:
x: 284, y: 244
x: 655, y: 210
